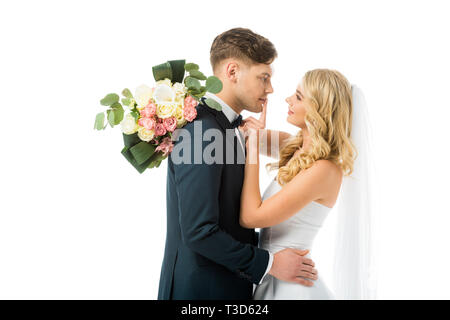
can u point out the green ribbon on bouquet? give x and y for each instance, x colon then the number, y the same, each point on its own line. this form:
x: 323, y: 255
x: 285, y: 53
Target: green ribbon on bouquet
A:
x: 174, y: 70
x: 140, y: 154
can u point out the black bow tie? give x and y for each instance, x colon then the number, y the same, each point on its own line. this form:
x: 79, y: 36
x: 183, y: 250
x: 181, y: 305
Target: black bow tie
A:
x: 236, y: 122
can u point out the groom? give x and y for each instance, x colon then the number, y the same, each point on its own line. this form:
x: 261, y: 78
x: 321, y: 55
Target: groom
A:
x: 208, y: 255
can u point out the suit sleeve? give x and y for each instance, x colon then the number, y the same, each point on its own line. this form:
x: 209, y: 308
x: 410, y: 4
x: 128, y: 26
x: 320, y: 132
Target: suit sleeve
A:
x: 198, y: 187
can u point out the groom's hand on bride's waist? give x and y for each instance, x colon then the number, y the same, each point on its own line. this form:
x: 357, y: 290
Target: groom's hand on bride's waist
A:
x: 291, y: 265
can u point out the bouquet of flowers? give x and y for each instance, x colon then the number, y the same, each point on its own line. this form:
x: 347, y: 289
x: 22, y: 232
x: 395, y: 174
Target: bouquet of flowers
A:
x: 155, y: 113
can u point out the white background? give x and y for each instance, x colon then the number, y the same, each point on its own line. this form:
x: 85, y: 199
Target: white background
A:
x: 78, y: 222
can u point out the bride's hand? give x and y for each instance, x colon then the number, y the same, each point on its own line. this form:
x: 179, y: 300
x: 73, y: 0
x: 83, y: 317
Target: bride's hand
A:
x: 251, y: 125
x: 252, y: 134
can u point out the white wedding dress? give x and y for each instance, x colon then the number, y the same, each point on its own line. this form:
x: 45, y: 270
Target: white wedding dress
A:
x: 297, y: 232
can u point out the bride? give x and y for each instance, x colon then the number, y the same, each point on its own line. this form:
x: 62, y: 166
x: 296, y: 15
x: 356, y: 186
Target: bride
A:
x: 311, y: 168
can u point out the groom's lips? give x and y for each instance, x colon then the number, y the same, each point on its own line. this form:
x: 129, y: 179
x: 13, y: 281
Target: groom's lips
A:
x: 263, y: 100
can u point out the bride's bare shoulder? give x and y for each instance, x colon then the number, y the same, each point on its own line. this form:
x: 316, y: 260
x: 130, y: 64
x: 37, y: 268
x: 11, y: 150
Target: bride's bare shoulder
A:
x: 328, y: 165
x: 330, y: 169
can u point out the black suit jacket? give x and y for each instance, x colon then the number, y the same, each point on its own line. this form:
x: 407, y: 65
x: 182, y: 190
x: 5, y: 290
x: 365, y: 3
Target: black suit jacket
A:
x: 208, y: 255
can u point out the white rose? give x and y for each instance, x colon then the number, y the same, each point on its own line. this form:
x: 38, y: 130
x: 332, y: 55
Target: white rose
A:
x: 128, y: 124
x: 166, y: 81
x: 163, y: 94
x: 166, y: 110
x: 181, y: 121
x: 143, y: 95
x: 145, y: 134
x: 180, y: 91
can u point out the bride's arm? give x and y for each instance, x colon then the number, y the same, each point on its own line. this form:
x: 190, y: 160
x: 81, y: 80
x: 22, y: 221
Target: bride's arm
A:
x: 304, y: 188
x: 272, y: 142
x: 250, y: 194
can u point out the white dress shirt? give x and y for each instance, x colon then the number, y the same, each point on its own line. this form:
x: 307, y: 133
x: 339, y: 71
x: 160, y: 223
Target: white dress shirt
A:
x: 231, y: 116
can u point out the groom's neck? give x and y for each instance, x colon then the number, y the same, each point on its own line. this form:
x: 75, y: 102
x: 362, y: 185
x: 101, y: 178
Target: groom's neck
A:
x: 230, y: 99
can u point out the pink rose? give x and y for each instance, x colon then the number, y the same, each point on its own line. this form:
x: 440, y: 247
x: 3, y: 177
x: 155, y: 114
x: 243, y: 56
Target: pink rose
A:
x: 147, y: 123
x: 166, y: 146
x: 149, y: 110
x: 190, y: 102
x: 170, y: 124
x: 189, y: 113
x: 160, y: 130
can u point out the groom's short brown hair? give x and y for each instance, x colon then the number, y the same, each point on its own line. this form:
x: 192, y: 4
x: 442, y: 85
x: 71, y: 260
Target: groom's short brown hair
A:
x: 243, y: 44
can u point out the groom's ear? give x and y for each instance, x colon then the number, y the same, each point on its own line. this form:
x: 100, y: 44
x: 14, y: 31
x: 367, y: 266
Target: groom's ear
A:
x: 232, y: 71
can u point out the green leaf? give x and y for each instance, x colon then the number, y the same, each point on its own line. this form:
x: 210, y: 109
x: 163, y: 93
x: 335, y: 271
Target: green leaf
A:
x: 142, y: 151
x: 135, y: 115
x: 194, y: 96
x: 127, y: 93
x: 156, y: 159
x: 126, y: 101
x: 162, y: 71
x: 190, y: 67
x: 99, y: 121
x: 116, y: 105
x: 109, y: 99
x: 197, y: 74
x: 118, y: 112
x: 213, y: 84
x: 110, y: 114
x: 213, y: 104
x: 202, y: 91
x: 118, y: 116
x: 192, y: 83
x: 193, y: 92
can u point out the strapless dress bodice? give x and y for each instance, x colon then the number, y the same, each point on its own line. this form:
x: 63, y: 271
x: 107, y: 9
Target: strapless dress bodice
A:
x: 299, y: 231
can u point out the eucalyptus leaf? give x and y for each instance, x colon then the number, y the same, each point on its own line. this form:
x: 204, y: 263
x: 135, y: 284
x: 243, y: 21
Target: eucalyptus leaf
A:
x: 213, y: 84
x: 109, y: 99
x: 118, y: 111
x: 126, y: 101
x: 110, y: 113
x: 213, y: 104
x: 194, y: 92
x: 116, y: 105
x: 118, y: 115
x: 99, y: 121
x: 197, y: 74
x: 127, y: 93
x: 190, y: 67
x: 192, y: 83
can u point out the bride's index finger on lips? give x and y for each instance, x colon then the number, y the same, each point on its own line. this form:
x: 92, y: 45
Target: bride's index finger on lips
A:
x: 262, y: 117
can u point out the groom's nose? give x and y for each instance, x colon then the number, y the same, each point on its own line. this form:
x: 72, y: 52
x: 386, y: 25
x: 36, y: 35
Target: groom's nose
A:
x: 269, y: 88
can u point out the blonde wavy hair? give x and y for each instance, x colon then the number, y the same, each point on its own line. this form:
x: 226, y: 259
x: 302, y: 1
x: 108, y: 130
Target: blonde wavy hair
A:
x: 329, y: 121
